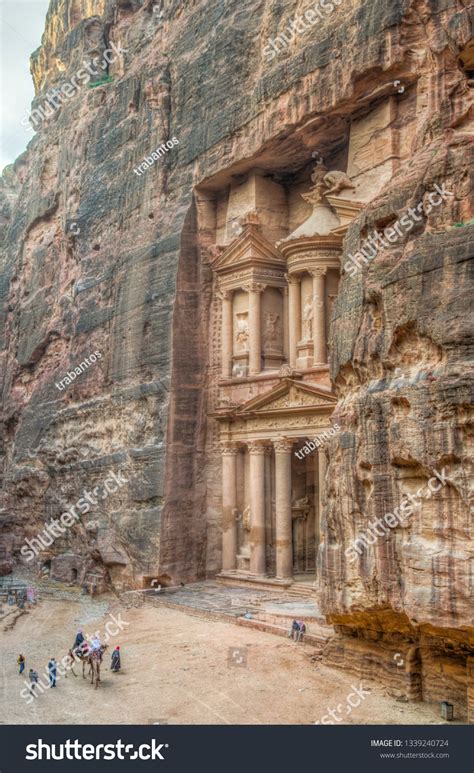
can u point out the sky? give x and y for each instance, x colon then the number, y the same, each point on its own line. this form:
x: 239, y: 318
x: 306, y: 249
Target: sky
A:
x: 21, y: 27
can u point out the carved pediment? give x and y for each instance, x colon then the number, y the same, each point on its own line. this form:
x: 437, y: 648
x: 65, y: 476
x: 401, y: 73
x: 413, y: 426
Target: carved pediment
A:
x: 289, y: 396
x: 250, y: 249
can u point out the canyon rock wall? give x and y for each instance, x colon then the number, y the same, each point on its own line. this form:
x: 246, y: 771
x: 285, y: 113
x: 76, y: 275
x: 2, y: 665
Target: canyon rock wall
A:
x: 99, y: 257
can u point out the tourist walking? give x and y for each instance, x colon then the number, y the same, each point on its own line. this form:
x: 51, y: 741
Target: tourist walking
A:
x: 21, y: 663
x: 52, y: 671
x: 33, y: 680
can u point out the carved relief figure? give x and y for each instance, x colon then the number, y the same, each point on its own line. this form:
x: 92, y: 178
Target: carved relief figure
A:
x: 308, y: 318
x: 242, y: 334
x: 327, y: 183
x: 246, y: 518
x: 319, y: 173
x: 271, y: 330
x: 336, y: 182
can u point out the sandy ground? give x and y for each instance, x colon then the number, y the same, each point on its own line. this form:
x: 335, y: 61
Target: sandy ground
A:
x: 180, y: 669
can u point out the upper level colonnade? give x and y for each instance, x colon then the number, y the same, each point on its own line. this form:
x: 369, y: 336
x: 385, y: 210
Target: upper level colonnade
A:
x: 276, y: 298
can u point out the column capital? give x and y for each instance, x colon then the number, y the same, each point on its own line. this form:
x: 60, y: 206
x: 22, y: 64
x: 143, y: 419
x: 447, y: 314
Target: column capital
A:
x: 292, y: 279
x: 254, y: 287
x: 283, y: 444
x: 256, y: 447
x: 320, y: 271
x: 229, y: 448
x: 224, y: 295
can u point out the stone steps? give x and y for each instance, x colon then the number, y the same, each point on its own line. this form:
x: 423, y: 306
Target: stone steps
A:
x: 317, y: 634
x: 294, y: 590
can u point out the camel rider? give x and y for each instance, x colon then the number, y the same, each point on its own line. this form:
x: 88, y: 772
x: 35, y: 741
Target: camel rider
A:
x: 95, y: 645
x: 79, y: 641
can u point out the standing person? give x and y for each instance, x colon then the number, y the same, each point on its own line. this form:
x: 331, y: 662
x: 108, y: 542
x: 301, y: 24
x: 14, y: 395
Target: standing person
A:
x: 52, y: 670
x: 33, y: 680
x: 116, y: 659
x: 21, y: 663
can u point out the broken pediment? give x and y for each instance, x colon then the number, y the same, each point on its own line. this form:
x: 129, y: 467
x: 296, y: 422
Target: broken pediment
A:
x: 249, y: 250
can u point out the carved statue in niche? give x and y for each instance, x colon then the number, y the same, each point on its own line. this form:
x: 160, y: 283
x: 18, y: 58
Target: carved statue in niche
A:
x: 308, y: 318
x: 246, y: 518
x: 242, y: 334
x: 271, y: 337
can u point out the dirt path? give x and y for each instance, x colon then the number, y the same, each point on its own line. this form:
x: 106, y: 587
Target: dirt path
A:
x: 182, y: 670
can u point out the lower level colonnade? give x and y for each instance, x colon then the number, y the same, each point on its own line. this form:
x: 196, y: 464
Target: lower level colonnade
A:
x: 272, y: 501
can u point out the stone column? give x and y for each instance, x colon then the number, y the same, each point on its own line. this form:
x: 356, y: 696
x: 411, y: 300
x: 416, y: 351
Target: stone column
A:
x: 284, y: 546
x: 227, y: 334
x: 321, y: 480
x: 317, y: 509
x: 286, y: 353
x: 257, y: 507
x: 319, y: 316
x: 255, y: 337
x: 229, y: 506
x: 294, y: 316
x: 269, y: 531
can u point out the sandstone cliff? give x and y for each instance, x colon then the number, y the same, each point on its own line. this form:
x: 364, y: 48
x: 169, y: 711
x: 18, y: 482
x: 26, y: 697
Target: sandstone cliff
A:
x: 98, y: 257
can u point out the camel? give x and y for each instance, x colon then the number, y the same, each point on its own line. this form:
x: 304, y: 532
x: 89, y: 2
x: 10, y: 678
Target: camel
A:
x: 91, y: 658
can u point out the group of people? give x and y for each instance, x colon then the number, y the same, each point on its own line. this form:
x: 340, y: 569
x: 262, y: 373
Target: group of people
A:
x: 33, y: 675
x: 81, y: 647
x: 297, y: 630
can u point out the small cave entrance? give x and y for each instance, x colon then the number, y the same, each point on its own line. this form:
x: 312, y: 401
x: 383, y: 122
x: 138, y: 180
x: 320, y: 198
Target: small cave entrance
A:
x: 74, y: 575
x: 466, y: 62
x: 46, y: 568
